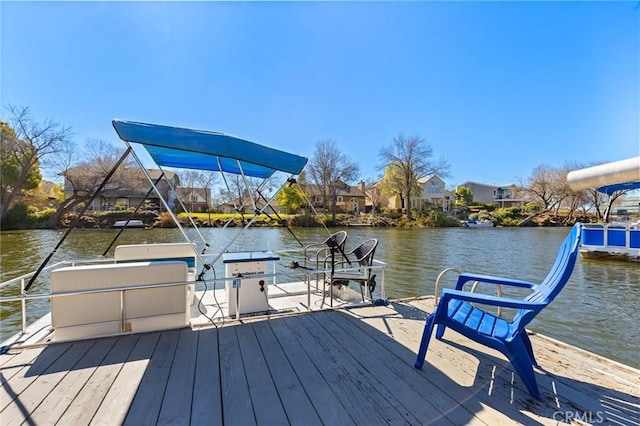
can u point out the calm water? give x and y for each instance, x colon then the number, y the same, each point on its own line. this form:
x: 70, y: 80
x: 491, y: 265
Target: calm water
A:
x: 597, y: 310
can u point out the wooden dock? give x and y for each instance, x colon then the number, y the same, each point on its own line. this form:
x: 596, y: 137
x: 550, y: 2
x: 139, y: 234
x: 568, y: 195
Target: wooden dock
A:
x: 335, y: 367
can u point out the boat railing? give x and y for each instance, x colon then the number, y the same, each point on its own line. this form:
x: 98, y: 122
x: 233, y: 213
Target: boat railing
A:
x: 22, y: 281
x: 275, y: 276
x: 22, y: 278
x: 617, y: 235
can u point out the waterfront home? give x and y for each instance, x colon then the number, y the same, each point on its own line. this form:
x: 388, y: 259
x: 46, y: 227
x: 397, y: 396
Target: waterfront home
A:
x: 127, y: 188
x: 500, y: 195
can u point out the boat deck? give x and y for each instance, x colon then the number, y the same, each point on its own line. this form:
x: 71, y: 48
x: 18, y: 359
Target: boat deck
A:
x: 347, y: 366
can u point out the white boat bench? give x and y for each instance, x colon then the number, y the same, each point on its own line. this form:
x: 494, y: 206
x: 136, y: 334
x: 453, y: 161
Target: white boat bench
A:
x: 81, y: 316
x: 185, y: 252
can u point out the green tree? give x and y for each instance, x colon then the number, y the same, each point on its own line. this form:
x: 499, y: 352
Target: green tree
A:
x: 464, y: 196
x: 11, y: 161
x: 291, y: 198
x: 410, y: 157
x: 393, y: 184
x: 34, y: 142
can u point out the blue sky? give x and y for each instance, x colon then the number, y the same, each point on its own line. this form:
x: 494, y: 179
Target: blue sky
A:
x: 496, y: 88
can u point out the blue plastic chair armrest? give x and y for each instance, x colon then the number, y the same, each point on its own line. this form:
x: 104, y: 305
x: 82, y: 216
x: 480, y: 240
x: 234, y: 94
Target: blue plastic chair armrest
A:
x: 464, y: 278
x: 484, y: 299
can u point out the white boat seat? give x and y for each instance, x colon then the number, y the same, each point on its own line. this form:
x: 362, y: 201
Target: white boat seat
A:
x: 97, y: 314
x: 185, y: 252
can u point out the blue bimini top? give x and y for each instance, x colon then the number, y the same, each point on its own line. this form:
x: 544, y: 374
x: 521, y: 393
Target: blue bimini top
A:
x: 206, y: 150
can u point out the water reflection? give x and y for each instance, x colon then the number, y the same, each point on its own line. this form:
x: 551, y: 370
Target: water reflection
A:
x: 596, y: 311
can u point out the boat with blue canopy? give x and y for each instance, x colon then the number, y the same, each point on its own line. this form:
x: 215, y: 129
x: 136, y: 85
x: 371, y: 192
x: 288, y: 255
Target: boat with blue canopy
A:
x: 190, y: 283
x: 610, y: 239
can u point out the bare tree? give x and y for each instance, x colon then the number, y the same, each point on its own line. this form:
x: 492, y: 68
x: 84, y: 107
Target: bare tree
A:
x: 548, y: 185
x: 540, y: 185
x: 329, y: 169
x: 207, y: 180
x: 373, y: 193
x: 240, y: 189
x: 34, y: 144
x: 188, y: 181
x: 612, y: 197
x: 82, y: 178
x: 410, y: 157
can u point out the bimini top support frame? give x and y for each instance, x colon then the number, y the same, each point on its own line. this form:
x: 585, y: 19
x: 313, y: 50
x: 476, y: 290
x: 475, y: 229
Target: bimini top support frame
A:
x: 207, y: 151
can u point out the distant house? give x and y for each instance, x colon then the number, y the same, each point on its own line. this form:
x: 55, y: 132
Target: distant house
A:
x: 350, y: 199
x: 373, y: 196
x: 126, y: 189
x: 229, y: 207
x: 499, y: 195
x: 195, y: 199
x: 433, y: 194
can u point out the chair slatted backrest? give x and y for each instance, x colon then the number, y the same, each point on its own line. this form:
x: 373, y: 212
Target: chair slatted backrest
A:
x: 365, y: 251
x: 555, y: 280
x: 337, y: 240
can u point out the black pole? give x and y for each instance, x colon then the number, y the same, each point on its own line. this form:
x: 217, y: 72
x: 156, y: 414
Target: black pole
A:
x: 281, y: 220
x: 77, y: 219
x: 132, y: 214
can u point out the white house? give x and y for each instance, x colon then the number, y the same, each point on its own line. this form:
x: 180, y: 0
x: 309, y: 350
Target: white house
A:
x: 433, y: 194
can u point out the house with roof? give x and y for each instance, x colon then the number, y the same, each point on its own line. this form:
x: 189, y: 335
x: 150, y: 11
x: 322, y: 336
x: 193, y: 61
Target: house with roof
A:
x: 195, y: 199
x: 433, y: 194
x: 127, y: 188
x: 501, y: 196
x: 350, y: 199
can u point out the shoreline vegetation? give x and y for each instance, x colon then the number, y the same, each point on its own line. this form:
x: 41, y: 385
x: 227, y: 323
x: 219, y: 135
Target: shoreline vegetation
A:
x: 508, y: 217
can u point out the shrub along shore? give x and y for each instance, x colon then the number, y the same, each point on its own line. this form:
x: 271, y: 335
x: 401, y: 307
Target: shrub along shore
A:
x: 500, y: 217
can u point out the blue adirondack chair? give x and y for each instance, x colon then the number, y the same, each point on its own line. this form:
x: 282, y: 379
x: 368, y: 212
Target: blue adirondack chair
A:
x: 455, y: 310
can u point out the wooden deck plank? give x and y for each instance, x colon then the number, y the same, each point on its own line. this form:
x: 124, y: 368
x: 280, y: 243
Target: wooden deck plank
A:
x: 25, y: 375
x: 369, y: 337
x: 560, y: 393
x: 36, y: 332
x: 589, y: 367
x: 353, y: 384
x: 378, y: 360
x: 462, y: 380
x: 87, y: 402
x: 267, y: 406
x: 13, y: 362
x: 145, y: 407
x: 8, y: 356
x: 176, y: 404
x: 206, y: 407
x: 237, y: 407
x: 339, y: 367
x: 116, y: 403
x: 324, y: 401
x: 44, y: 382
x: 491, y: 373
x: 296, y: 402
x: 59, y: 399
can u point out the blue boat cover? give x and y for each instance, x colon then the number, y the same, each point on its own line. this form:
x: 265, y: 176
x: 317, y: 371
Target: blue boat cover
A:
x: 205, y: 150
x: 610, y: 189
